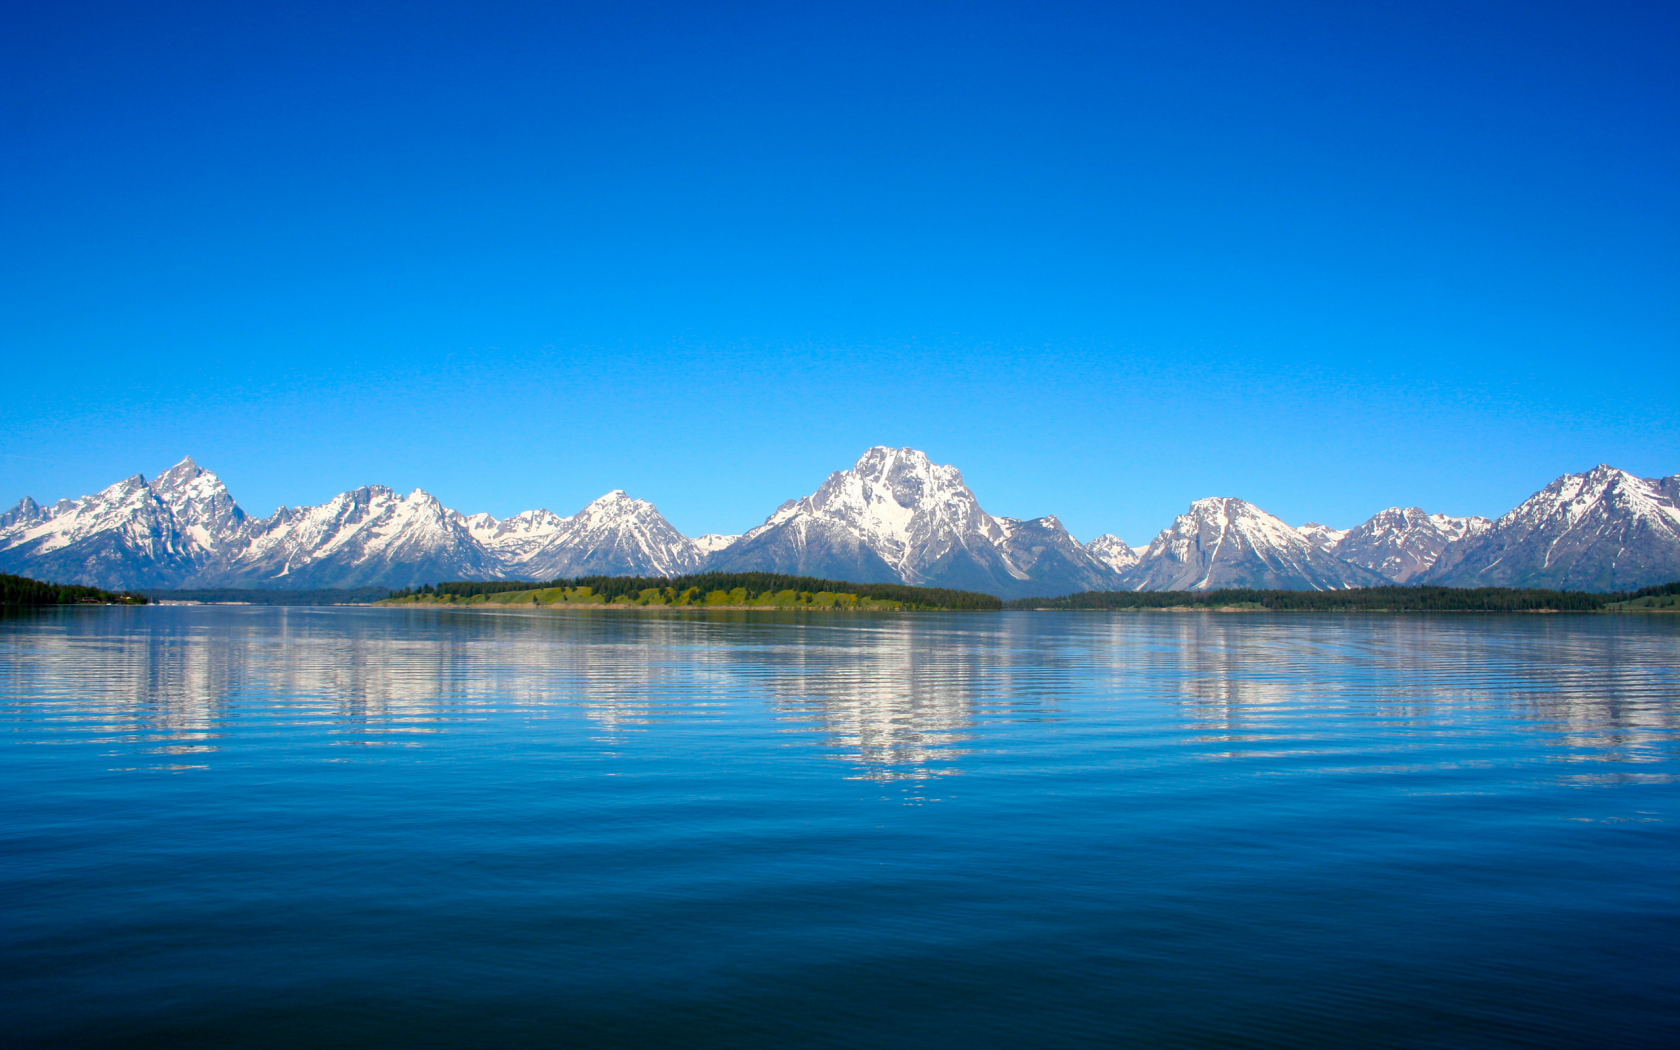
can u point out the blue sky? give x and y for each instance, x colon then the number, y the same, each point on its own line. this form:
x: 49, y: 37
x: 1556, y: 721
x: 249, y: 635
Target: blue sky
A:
x: 1106, y: 258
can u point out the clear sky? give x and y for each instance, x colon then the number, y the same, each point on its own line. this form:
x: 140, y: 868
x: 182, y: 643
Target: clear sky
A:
x: 1106, y: 258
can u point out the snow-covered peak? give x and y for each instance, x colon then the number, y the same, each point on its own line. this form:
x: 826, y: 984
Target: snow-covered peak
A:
x: 1322, y: 536
x: 178, y: 476
x: 201, y: 505
x: 1242, y: 517
x: 27, y: 512
x: 1573, y: 497
x: 615, y: 506
x: 1402, y: 543
x: 128, y: 506
x: 895, y: 515
x: 616, y: 534
x: 1229, y: 542
x: 1604, y: 529
x: 1112, y: 551
x: 896, y: 499
x: 712, y: 542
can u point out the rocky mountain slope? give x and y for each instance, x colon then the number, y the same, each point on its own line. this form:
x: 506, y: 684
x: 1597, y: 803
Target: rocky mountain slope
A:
x: 1403, y: 543
x: 1227, y: 542
x: 1602, y: 530
x: 895, y: 516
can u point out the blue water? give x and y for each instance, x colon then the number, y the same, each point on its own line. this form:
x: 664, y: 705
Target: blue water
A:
x: 259, y: 827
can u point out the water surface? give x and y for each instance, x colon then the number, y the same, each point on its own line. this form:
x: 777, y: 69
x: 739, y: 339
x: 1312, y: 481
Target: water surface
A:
x: 265, y: 827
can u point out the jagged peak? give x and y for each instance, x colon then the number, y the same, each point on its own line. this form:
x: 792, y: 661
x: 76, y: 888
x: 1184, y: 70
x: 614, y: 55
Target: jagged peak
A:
x: 179, y: 476
x: 26, y: 512
x: 879, y: 455
x: 617, y: 501
x: 1223, y: 506
x: 713, y: 542
x: 126, y: 487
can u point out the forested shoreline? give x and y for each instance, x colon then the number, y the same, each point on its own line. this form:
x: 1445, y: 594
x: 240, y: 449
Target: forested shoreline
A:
x: 709, y: 589
x: 1367, y: 599
x: 776, y: 590
x: 21, y: 590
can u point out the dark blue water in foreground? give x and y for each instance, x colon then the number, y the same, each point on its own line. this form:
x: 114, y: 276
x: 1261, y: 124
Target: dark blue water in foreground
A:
x: 254, y: 827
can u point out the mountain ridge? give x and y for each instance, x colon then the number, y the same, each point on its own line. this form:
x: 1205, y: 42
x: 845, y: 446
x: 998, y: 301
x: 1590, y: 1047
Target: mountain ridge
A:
x: 893, y: 517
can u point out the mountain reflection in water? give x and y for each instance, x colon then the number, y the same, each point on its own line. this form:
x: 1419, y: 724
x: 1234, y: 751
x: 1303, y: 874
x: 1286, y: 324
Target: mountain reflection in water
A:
x: 236, y: 826
x: 896, y: 697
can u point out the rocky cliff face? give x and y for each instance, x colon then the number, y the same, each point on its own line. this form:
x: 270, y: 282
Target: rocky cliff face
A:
x: 1227, y: 542
x: 1603, y: 530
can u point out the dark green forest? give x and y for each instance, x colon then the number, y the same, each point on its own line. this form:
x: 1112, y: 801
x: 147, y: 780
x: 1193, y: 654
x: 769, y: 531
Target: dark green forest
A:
x: 703, y: 584
x: 21, y: 590
x: 1359, y: 599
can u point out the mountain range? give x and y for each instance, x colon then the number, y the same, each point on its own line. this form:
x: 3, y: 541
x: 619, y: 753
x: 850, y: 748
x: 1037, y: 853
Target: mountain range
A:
x: 893, y: 517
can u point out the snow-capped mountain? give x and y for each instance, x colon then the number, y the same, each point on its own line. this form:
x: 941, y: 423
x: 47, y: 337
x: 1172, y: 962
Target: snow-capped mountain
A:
x: 1226, y: 542
x: 185, y: 530
x: 1052, y: 559
x: 201, y: 506
x: 1602, y: 530
x: 893, y: 517
x: 1402, y: 543
x: 614, y: 535
x: 127, y: 535
x: 371, y: 536
x: 897, y: 517
x: 1322, y: 536
x: 712, y: 542
x: 1112, y: 551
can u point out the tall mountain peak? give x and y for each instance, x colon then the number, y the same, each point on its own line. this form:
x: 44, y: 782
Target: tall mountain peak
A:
x: 1403, y: 543
x: 1602, y: 529
x: 1112, y: 551
x: 1223, y: 541
x: 896, y: 516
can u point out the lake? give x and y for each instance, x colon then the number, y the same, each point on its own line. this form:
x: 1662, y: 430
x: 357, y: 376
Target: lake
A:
x: 277, y: 827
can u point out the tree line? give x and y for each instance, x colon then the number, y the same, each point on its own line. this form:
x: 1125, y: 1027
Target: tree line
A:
x: 1358, y: 599
x: 707, y: 583
x: 21, y: 590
